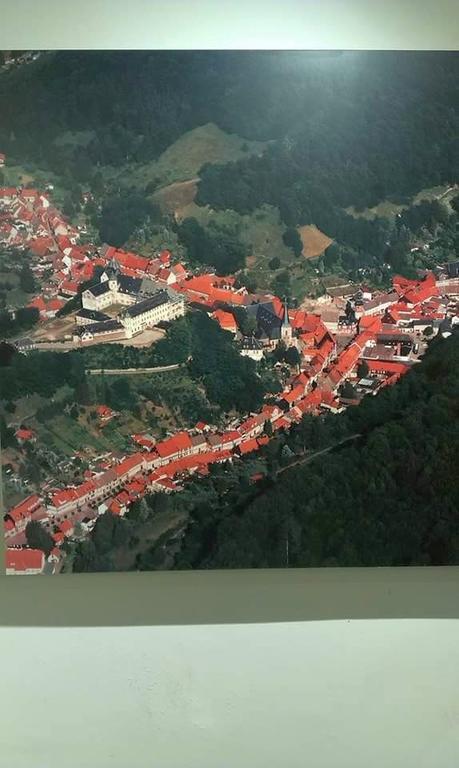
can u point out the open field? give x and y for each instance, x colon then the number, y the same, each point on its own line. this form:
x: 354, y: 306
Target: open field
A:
x: 14, y: 296
x: 314, y: 241
x: 183, y: 159
x: 28, y: 173
x: 388, y: 210
x: 148, y: 535
x: 178, y: 198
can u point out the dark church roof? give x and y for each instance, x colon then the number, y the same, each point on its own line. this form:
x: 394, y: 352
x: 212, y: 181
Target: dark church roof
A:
x: 95, y: 328
x: 143, y: 306
x: 453, y: 269
x: 268, y: 322
x: 128, y: 284
x: 251, y: 343
x: 99, y: 289
x: 93, y: 314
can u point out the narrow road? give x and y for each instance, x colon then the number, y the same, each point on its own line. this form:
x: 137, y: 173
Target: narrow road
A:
x: 132, y: 371
x: 310, y: 457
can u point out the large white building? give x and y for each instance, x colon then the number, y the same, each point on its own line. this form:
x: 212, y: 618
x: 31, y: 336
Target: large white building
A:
x: 147, y: 313
x: 146, y: 304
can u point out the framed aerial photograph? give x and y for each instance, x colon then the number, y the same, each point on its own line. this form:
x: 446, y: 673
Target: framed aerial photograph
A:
x: 229, y: 309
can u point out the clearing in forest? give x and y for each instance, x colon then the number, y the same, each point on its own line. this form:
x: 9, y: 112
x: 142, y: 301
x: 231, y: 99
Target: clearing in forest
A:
x: 183, y: 160
x: 314, y: 241
x: 177, y: 198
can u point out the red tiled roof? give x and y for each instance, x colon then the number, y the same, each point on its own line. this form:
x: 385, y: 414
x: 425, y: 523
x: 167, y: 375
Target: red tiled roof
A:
x: 144, y: 441
x: 370, y: 323
x: 389, y: 366
x: 311, y: 401
x: 41, y: 245
x: 115, y: 507
x: 179, y: 442
x: 54, y: 305
x: 179, y: 271
x: 60, y: 498
x: 167, y: 483
x: 64, y: 242
x: 232, y: 436
x: 104, y: 411
x: 129, y: 463
x: 66, y: 527
x: 69, y: 286
x: 248, y: 446
x: 132, y: 261
x: 295, y: 394
x: 263, y: 440
x: 23, y: 559
x: 24, y: 508
x: 281, y: 423
x: 38, y: 303
x: 225, y: 320
x: 25, y: 434
x: 304, y: 321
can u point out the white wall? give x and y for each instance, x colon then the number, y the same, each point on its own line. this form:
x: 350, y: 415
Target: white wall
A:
x: 358, y: 694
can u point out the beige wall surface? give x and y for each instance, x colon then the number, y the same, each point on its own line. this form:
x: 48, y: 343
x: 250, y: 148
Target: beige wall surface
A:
x: 347, y: 694
x: 352, y: 24
x: 376, y: 693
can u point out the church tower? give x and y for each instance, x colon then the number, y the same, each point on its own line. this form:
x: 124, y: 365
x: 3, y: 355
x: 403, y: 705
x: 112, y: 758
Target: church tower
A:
x: 113, y: 271
x: 286, y: 328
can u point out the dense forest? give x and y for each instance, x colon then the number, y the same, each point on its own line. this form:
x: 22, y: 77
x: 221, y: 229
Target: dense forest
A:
x: 386, y: 494
x: 212, y: 360
x: 390, y: 497
x: 343, y: 129
x: 373, y: 115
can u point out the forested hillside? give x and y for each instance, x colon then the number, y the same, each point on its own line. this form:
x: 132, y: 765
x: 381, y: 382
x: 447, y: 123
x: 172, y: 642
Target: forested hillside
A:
x: 342, y: 130
x: 390, y: 497
x: 357, y: 126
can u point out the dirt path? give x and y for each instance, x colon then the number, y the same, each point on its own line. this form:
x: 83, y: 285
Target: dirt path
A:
x: 132, y: 371
x: 310, y: 457
x: 148, y: 534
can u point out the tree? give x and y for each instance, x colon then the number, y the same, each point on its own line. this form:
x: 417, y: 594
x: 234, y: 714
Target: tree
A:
x: 7, y: 437
x: 268, y: 428
x: 428, y: 331
x: 122, y: 214
x: 218, y: 247
x: 26, y: 279
x: 38, y: 538
x: 274, y: 263
x: 68, y: 207
x: 293, y: 240
x: 363, y: 369
x: 281, y: 283
x: 26, y: 317
x: 292, y: 356
x: 82, y: 392
x: 120, y: 394
x: 348, y: 391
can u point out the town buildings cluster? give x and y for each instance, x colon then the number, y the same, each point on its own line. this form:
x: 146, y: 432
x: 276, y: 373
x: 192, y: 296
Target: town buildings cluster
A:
x: 354, y: 325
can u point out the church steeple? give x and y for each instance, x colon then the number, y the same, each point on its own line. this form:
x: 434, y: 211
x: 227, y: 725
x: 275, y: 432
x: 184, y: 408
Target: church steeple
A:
x: 286, y: 328
x: 113, y: 268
